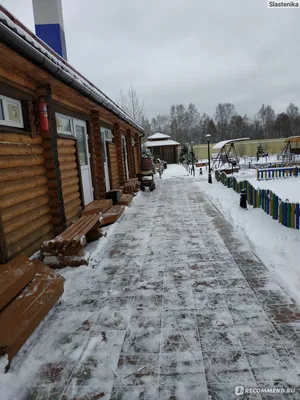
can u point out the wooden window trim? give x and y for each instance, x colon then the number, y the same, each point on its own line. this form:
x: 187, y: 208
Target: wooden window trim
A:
x: 27, y: 101
x: 70, y: 112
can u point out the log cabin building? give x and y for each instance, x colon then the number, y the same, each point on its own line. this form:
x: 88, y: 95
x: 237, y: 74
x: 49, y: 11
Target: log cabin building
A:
x: 63, y: 142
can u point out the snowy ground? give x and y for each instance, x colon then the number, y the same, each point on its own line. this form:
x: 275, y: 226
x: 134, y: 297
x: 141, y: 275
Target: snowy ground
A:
x: 174, y: 305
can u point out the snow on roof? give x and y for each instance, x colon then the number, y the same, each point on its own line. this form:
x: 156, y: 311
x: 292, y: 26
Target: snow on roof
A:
x: 17, y: 28
x: 156, y: 143
x: 158, y: 136
x: 225, y: 142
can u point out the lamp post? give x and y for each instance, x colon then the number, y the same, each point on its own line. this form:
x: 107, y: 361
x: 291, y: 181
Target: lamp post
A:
x: 208, y: 151
x: 192, y: 154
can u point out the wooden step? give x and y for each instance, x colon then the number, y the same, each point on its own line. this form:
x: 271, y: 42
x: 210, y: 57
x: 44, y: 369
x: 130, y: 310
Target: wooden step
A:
x: 20, y: 318
x: 113, y: 214
x: 126, y: 199
x: 14, y: 276
x: 97, y: 206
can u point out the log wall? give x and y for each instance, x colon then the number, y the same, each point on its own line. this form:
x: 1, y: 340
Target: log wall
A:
x: 120, y: 158
x: 136, y: 160
x: 97, y: 157
x: 69, y: 175
x: 113, y: 166
x: 24, y: 200
x: 130, y: 154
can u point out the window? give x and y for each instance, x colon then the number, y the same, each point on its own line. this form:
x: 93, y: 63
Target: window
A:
x: 11, y: 112
x: 64, y: 124
x: 80, y: 134
x: 107, y: 135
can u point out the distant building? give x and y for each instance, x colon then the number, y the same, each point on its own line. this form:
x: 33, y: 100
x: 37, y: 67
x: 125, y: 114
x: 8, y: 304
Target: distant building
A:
x: 163, y: 147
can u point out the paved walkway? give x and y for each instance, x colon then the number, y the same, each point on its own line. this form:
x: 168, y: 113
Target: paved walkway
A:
x: 176, y: 306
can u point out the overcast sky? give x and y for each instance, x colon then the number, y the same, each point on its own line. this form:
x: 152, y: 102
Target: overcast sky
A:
x: 182, y: 51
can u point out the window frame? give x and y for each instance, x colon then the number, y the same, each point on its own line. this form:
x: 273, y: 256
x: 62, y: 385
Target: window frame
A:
x: 63, y: 132
x: 108, y: 131
x: 5, y: 100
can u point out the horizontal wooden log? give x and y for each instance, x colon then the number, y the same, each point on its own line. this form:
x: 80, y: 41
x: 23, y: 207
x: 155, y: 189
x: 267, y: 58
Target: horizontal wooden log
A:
x: 19, y: 149
x: 24, y: 208
x: 20, y: 161
x: 29, y: 240
x: 18, y: 186
x: 49, y: 164
x: 29, y: 251
x: 15, y: 138
x: 17, y: 198
x: 67, y: 150
x: 54, y: 201
x: 47, y: 144
x: 70, y: 213
x: 70, y: 189
x: 64, y: 174
x: 66, y: 251
x: 73, y: 213
x: 70, y: 182
x: 14, y: 174
x: 24, y: 219
x: 26, y: 230
x: 68, y: 166
x: 64, y: 158
x: 72, y: 205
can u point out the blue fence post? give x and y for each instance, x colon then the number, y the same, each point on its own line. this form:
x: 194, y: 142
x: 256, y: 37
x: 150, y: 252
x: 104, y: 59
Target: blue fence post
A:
x: 268, y: 202
x: 297, y: 215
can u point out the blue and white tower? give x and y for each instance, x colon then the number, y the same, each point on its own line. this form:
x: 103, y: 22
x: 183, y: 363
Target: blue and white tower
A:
x: 49, y: 24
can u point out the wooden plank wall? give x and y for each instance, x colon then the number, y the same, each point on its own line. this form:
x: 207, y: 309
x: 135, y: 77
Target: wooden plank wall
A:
x: 24, y: 200
x: 113, y: 165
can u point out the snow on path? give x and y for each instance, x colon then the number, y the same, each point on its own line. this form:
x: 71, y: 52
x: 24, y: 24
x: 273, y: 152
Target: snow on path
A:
x: 173, y: 305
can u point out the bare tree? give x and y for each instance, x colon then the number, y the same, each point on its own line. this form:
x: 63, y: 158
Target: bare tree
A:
x: 293, y: 114
x: 224, y: 113
x: 131, y: 104
x: 266, y: 116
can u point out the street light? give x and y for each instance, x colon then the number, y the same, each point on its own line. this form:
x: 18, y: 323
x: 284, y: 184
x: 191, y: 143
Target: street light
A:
x: 208, y: 151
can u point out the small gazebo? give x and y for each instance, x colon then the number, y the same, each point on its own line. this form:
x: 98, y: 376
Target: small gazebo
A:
x: 163, y: 147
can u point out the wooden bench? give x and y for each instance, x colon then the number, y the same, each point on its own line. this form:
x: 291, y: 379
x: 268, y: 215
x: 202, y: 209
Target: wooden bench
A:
x: 131, y: 186
x: 113, y: 214
x: 126, y: 199
x: 97, y: 207
x: 32, y: 300
x: 68, y: 245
